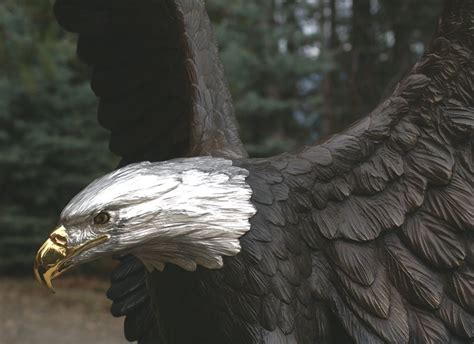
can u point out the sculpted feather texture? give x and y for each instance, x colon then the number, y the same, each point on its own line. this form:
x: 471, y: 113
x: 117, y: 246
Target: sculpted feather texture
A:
x: 187, y: 211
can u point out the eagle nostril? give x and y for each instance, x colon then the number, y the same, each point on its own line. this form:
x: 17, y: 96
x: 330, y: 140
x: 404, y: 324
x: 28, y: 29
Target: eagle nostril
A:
x: 58, y: 239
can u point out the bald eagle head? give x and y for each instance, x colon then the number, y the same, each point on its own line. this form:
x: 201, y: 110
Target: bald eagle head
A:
x: 187, y: 212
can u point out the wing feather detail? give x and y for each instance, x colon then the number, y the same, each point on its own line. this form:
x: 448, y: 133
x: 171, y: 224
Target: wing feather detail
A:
x: 411, y: 276
x: 426, y: 326
x: 434, y: 240
x: 358, y: 261
x: 375, y: 297
x: 458, y: 320
x: 461, y: 287
x: 390, y: 212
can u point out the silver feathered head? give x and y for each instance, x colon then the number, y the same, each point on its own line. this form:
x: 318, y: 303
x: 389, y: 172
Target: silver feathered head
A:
x: 187, y: 211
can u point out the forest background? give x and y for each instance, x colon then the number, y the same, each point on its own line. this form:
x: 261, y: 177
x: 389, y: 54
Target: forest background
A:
x: 297, y: 70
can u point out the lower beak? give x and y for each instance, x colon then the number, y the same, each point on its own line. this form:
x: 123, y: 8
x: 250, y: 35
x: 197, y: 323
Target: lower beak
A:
x: 54, y: 256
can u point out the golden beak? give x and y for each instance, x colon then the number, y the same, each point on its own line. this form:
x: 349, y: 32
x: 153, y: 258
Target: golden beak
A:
x: 54, y: 256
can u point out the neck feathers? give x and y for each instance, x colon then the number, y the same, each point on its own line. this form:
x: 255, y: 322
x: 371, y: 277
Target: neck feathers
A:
x: 202, y: 219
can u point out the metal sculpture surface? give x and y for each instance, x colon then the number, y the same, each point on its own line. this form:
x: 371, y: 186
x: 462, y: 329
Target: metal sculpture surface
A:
x: 366, y: 237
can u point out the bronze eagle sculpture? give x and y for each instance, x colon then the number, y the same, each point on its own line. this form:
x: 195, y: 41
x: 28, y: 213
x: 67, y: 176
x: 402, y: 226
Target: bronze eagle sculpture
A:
x: 366, y: 237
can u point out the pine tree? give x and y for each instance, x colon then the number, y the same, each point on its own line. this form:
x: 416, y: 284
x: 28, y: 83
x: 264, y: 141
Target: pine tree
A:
x: 273, y: 63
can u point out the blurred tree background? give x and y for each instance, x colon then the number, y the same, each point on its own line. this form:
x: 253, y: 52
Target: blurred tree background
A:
x: 298, y: 71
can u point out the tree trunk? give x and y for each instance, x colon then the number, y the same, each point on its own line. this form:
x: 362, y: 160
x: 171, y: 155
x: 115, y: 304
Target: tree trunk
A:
x: 361, y: 75
x: 329, y: 113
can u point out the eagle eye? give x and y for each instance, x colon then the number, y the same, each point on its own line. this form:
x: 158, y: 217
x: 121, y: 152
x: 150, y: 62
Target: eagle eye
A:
x: 101, y: 218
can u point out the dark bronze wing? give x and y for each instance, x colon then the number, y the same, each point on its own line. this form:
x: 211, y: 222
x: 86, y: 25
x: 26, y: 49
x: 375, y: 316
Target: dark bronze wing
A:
x: 162, y: 95
x: 387, y: 206
x: 156, y: 70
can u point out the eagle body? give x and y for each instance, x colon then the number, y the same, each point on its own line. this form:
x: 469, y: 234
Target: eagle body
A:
x: 261, y: 295
x: 365, y: 237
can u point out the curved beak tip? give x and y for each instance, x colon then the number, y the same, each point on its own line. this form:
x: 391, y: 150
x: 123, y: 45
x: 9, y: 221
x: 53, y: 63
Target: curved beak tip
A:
x: 50, y: 257
x: 41, y: 277
x: 54, y: 256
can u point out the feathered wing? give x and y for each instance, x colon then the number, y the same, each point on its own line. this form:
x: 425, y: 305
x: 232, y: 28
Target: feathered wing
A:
x: 390, y: 203
x: 156, y: 70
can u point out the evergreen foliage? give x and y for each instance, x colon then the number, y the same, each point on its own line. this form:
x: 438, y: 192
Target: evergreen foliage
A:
x: 273, y: 64
x: 50, y: 143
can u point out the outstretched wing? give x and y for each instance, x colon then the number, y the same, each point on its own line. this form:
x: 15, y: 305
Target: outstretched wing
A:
x: 391, y: 203
x: 156, y: 70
